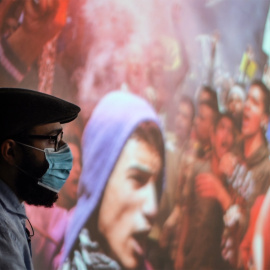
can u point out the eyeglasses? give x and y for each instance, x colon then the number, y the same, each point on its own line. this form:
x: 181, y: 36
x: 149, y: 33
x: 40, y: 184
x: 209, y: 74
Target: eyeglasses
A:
x: 55, y: 139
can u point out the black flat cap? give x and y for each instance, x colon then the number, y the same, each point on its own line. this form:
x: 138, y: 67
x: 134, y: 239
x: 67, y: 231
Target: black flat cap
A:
x: 21, y: 109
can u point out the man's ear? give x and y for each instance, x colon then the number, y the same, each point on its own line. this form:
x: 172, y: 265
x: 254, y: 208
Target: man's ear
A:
x: 8, y: 151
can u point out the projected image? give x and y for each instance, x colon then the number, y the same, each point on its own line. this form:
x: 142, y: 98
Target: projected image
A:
x: 171, y: 147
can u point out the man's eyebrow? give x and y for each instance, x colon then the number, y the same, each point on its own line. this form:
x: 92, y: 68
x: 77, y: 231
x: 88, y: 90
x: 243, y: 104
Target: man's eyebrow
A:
x: 55, y: 131
x: 140, y: 167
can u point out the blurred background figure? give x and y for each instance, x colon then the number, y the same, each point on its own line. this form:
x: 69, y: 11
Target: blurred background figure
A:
x: 235, y: 103
x: 206, y: 93
x: 177, y: 148
x: 184, y: 117
x: 26, y: 26
x: 202, y: 220
x: 10, y: 12
x: 246, y: 248
x: 207, y: 113
x: 190, y: 144
x: 10, y: 26
x: 261, y: 237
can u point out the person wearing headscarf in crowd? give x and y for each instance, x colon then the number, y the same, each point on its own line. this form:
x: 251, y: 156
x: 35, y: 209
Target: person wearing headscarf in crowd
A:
x: 235, y: 103
x: 120, y: 184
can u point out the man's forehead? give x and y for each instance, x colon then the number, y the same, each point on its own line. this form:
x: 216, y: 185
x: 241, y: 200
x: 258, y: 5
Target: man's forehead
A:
x: 225, y: 123
x: 184, y: 107
x: 225, y: 120
x: 205, y: 111
x: 235, y: 96
x: 46, y: 128
x: 255, y: 92
x: 136, y: 164
x: 142, y: 156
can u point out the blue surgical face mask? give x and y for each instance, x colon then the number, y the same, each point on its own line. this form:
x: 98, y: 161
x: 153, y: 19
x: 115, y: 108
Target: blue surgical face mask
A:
x: 60, y: 164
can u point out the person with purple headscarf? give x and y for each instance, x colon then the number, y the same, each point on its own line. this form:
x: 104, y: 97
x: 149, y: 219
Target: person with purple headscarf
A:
x: 119, y: 188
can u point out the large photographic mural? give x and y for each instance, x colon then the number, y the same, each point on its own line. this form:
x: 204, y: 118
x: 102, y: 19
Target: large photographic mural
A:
x: 171, y: 148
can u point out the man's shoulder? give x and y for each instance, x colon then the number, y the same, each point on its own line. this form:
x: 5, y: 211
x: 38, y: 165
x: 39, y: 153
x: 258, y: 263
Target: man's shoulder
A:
x: 260, y: 159
x: 12, y: 243
x: 8, y: 229
x: 7, y: 221
x: 4, y: 215
x: 262, y: 168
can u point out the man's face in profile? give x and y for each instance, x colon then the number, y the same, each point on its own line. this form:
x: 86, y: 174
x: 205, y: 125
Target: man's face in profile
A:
x: 204, y: 96
x: 129, y: 204
x: 253, y: 114
x: 235, y: 104
x: 223, y: 137
x: 204, y: 123
x: 34, y: 163
x: 183, y: 121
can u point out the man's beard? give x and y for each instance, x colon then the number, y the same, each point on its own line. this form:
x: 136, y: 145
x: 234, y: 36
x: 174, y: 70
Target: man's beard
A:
x: 27, y: 186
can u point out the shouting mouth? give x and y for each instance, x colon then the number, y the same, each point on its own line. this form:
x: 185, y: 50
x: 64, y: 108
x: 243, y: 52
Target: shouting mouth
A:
x: 140, y: 242
x: 245, y: 121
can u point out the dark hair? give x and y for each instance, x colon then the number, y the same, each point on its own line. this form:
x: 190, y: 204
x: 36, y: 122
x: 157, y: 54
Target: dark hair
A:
x: 213, y: 106
x: 225, y: 115
x: 151, y: 134
x: 188, y: 100
x: 212, y: 93
x: 266, y: 93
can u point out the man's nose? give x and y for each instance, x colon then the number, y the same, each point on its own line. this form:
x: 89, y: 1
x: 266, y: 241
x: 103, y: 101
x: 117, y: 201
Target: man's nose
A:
x: 150, y: 207
x: 61, y: 143
x: 247, y: 104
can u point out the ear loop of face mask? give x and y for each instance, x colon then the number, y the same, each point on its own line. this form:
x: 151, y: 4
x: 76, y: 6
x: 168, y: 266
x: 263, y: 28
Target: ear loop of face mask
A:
x: 27, y: 173
x: 33, y: 146
x: 22, y: 170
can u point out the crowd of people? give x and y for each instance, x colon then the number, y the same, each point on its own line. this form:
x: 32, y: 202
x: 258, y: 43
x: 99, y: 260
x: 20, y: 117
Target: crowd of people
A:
x: 153, y: 186
x: 224, y: 169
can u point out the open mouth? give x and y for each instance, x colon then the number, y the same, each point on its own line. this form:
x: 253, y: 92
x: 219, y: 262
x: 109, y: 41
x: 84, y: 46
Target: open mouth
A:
x: 245, y: 119
x: 140, y: 241
x: 224, y: 145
